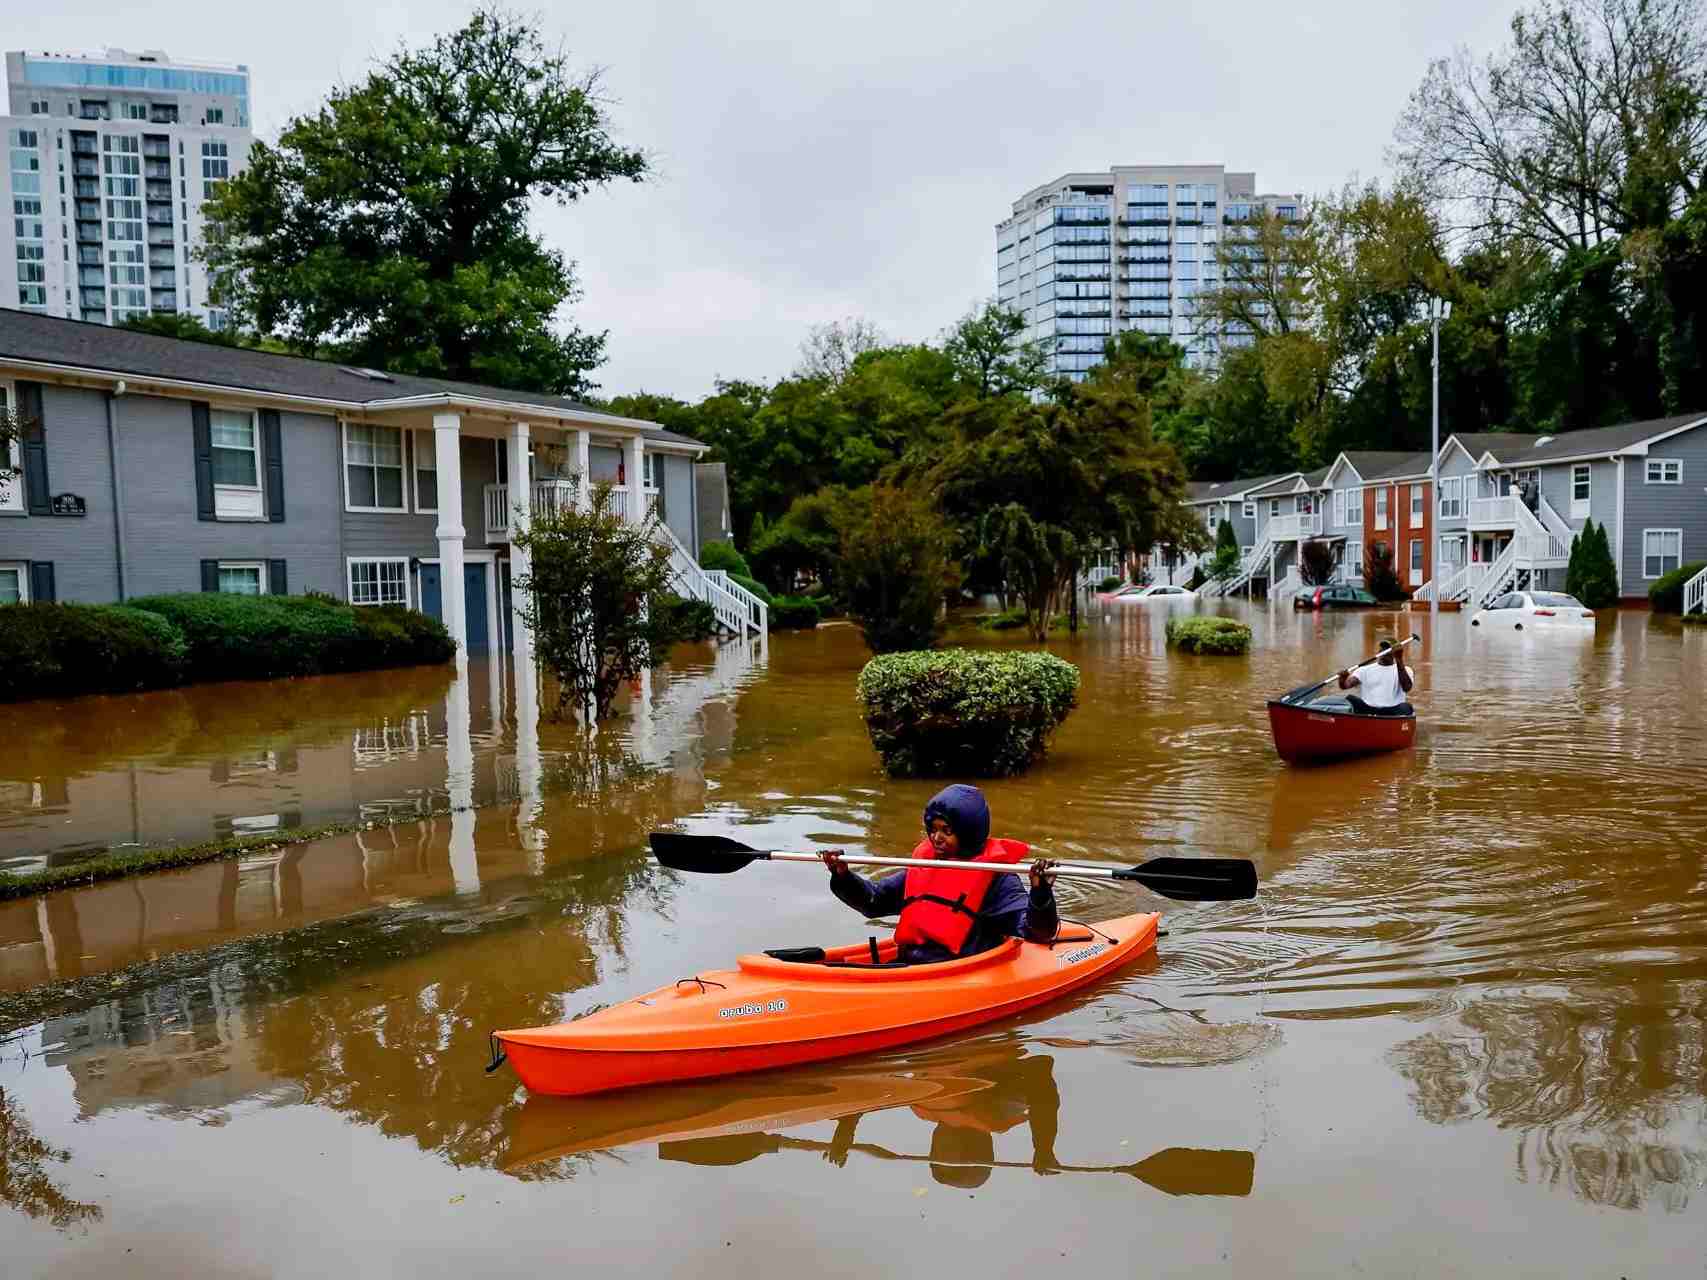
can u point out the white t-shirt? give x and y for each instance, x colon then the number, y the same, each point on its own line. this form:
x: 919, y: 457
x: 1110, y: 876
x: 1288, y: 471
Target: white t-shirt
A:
x: 1379, y: 686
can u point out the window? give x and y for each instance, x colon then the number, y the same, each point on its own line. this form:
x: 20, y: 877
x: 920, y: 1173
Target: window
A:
x: 1580, y: 485
x: 427, y: 473
x: 1416, y: 506
x: 1355, y: 559
x: 1381, y: 508
x: 1665, y: 471
x: 236, y: 465
x: 379, y: 582
x: 1273, y: 508
x: 216, y: 115
x: 136, y: 111
x: 1249, y: 510
x: 652, y: 465
x: 1416, y: 560
x: 1354, y: 508
x: 1339, y: 506
x: 373, y: 468
x: 241, y: 577
x: 1662, y: 551
x: 1452, y: 497
x: 14, y: 583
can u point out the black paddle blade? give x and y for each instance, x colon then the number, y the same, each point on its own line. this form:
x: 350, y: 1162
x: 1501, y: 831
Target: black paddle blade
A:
x: 708, y: 855
x: 1196, y: 879
x: 1188, y: 1171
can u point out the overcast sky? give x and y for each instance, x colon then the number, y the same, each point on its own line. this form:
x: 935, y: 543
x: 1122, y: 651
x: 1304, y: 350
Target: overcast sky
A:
x: 815, y: 161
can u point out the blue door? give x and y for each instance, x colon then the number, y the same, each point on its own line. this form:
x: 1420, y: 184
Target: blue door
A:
x: 474, y: 596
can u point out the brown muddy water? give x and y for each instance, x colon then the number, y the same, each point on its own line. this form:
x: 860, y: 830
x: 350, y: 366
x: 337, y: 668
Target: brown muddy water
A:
x: 1459, y: 1033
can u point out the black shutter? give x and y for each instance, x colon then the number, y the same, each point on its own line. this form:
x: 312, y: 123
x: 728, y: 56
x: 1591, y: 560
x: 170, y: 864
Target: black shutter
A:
x: 272, y: 442
x: 204, y: 465
x: 41, y: 582
x: 277, y: 583
x: 36, y: 495
x: 210, y: 575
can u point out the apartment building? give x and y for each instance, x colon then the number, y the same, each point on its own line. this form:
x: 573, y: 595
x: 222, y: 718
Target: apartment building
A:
x: 110, y: 157
x: 1093, y: 254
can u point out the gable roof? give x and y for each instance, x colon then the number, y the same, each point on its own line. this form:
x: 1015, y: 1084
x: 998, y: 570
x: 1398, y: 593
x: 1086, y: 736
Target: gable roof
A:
x: 1595, y: 442
x: 1375, y: 464
x: 99, y: 348
x: 1197, y: 491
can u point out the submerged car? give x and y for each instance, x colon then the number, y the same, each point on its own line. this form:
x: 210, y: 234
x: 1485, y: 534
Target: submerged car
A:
x: 1537, y: 611
x: 1142, y: 595
x: 1334, y: 596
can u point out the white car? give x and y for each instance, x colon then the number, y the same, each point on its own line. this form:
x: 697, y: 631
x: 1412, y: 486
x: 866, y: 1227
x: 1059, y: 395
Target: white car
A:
x: 1535, y: 611
x: 1142, y: 595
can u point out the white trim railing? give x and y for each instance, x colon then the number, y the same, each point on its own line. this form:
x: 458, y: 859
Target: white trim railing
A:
x: 1695, y: 593
x: 737, y: 610
x: 549, y: 495
x: 1294, y: 525
x: 1496, y: 513
x: 757, y: 612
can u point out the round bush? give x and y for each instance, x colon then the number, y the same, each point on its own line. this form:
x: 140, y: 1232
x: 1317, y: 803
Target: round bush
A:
x: 722, y: 555
x: 1208, y: 635
x: 63, y: 650
x: 692, y: 620
x: 793, y: 613
x: 1666, y: 595
x: 964, y: 713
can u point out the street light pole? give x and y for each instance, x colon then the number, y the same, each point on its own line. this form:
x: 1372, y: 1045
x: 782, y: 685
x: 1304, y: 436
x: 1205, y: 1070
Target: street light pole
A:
x: 1438, y: 310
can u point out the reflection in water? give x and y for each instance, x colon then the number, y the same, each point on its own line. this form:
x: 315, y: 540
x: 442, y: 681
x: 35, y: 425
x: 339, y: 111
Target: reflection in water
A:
x: 26, y: 1182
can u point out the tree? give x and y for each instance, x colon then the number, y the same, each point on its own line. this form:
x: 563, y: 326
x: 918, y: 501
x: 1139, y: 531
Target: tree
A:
x: 829, y: 350
x: 595, y: 591
x: 894, y: 567
x: 1316, y: 562
x: 391, y: 226
x: 176, y: 324
x: 1225, y: 562
x: 806, y: 541
x: 989, y: 357
x: 1592, y: 575
x: 1379, y: 575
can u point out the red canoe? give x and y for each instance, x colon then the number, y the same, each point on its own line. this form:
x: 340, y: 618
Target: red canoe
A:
x: 1315, y: 731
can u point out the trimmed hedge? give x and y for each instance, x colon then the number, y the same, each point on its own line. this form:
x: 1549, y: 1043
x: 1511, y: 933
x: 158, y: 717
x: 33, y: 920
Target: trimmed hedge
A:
x: 693, y: 620
x: 1205, y: 634
x: 1666, y: 595
x: 1008, y: 620
x: 62, y: 650
x: 964, y: 713
x: 723, y: 555
x: 755, y: 586
x: 794, y: 613
x: 1110, y: 583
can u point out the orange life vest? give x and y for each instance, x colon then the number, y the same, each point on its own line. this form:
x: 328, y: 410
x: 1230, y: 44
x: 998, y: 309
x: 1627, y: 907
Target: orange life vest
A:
x: 940, y: 905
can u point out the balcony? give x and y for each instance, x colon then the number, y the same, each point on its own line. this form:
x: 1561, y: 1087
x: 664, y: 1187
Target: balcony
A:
x: 1081, y: 277
x: 160, y: 237
x: 163, y: 300
x: 157, y: 169
x: 1295, y: 525
x: 548, y: 495
x: 86, y: 188
x: 88, y: 257
x: 89, y: 298
x: 88, y: 233
x: 94, y: 277
x: 85, y: 167
x: 160, y: 190
x: 163, y: 113
x: 156, y: 149
x: 160, y: 216
x: 83, y: 144
x: 1497, y: 513
x: 88, y: 210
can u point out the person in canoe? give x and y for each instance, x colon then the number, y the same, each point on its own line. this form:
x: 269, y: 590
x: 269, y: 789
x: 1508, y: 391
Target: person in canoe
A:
x: 947, y: 914
x: 1381, y: 686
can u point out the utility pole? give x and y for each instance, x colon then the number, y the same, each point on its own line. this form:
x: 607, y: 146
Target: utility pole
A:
x: 1438, y: 310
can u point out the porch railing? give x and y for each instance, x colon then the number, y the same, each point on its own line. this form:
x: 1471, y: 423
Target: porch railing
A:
x: 549, y: 495
x: 1695, y: 593
x: 1295, y: 525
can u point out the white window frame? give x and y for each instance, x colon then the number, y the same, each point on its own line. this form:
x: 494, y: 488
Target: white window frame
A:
x: 1339, y: 506
x: 1651, y: 533
x: 1274, y: 508
x: 1250, y: 509
x: 1381, y: 509
x: 350, y: 564
x: 647, y: 466
x: 1416, y: 562
x: 241, y: 501
x: 1354, y: 509
x: 260, y: 568
x: 1354, y: 561
x: 403, y: 487
x: 430, y: 453
x: 1451, y: 495
x: 12, y: 484
x: 1580, y: 506
x: 1417, y: 507
x: 23, y: 569
x: 1676, y: 465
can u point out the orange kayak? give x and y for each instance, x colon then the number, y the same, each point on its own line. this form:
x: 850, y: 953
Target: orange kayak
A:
x: 773, y: 1011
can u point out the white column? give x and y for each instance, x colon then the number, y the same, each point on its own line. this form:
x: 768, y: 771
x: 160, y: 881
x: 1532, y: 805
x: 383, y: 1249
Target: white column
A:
x: 528, y: 830
x: 583, y: 468
x: 447, y: 454
x: 636, y: 470
x: 459, y: 774
x: 521, y: 511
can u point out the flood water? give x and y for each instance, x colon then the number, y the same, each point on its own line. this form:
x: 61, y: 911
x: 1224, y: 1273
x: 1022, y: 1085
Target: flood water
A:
x: 1460, y: 1032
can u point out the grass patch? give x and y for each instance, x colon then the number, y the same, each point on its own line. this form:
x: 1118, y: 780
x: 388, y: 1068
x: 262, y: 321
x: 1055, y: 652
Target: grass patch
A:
x: 1206, y: 634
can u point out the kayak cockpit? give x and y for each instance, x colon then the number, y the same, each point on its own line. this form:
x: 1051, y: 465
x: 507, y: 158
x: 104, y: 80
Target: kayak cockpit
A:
x: 868, y: 961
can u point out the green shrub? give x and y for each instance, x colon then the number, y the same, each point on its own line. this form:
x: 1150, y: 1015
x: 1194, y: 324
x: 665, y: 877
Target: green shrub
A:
x: 754, y: 585
x: 1591, y: 575
x: 1666, y: 595
x: 1380, y: 575
x: 392, y: 636
x: 63, y: 650
x: 794, y: 613
x: 960, y: 712
x: 1203, y: 634
x: 692, y: 620
x: 894, y: 567
x: 1110, y: 583
x: 1007, y: 620
x: 722, y: 555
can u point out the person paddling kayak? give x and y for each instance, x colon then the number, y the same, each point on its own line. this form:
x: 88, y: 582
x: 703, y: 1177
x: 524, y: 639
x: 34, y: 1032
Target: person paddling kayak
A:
x: 946, y: 913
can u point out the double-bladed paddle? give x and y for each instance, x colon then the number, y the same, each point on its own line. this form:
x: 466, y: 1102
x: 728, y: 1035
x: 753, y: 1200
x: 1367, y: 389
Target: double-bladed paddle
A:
x: 1186, y: 879
x: 1304, y: 691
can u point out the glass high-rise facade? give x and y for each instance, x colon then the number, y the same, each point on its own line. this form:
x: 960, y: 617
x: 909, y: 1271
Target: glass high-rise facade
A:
x: 1092, y: 254
x: 111, y: 156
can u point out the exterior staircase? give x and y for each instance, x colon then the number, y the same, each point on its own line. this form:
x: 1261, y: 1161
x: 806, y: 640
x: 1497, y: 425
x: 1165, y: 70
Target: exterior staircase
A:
x: 1249, y: 567
x: 1695, y: 594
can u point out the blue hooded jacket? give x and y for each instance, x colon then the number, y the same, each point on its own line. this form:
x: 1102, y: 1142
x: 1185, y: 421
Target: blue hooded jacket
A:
x: 1008, y: 911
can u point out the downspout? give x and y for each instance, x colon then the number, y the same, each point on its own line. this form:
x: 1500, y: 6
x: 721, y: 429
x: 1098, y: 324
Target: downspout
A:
x: 1619, y: 574
x: 118, y: 390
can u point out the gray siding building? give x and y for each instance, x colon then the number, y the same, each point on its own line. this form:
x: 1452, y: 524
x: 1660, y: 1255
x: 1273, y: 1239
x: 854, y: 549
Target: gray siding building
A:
x: 151, y: 465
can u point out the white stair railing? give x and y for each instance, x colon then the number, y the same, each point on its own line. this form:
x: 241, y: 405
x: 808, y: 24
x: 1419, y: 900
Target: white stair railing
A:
x: 1499, y: 577
x: 736, y: 609
x: 1695, y: 593
x: 1248, y: 567
x: 757, y: 610
x: 1555, y: 523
